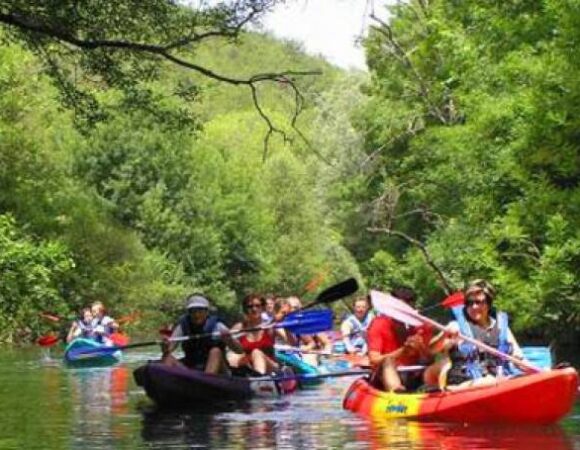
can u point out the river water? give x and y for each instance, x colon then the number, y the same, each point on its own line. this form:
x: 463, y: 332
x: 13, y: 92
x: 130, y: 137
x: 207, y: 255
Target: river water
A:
x: 45, y: 405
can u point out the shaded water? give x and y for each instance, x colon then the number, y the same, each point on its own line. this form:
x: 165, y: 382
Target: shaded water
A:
x: 48, y: 406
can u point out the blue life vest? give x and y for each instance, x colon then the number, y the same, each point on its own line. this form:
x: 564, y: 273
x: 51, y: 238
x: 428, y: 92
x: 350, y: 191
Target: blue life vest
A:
x: 197, y: 350
x: 358, y: 335
x: 504, y: 345
x: 468, y: 361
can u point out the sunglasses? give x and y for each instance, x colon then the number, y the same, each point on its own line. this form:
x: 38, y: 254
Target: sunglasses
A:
x: 475, y: 302
x: 254, y: 306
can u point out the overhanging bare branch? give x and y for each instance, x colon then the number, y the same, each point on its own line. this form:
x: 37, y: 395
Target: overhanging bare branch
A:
x: 38, y: 29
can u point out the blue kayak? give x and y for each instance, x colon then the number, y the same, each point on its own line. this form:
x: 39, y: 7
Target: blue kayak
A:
x: 293, y: 360
x: 84, y: 352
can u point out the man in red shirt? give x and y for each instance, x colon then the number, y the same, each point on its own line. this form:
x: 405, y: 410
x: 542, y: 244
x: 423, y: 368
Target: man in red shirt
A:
x: 392, y: 343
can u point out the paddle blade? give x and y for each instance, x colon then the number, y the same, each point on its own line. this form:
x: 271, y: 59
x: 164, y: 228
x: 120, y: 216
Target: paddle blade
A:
x: 393, y: 307
x: 132, y: 317
x: 313, y: 284
x: 340, y: 290
x: 165, y: 331
x: 50, y: 317
x: 47, y: 340
x: 307, y: 322
x: 455, y: 299
x: 119, y: 339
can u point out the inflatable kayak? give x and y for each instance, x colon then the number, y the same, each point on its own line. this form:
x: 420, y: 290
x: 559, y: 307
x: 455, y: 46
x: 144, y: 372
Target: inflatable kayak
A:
x: 539, y: 398
x: 173, y: 386
x: 85, y: 352
x: 293, y: 360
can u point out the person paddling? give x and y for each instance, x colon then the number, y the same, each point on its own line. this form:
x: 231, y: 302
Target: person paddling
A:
x: 206, y: 353
x: 82, y: 327
x: 466, y: 364
x: 310, y: 342
x: 102, y: 325
x: 354, y: 327
x: 392, y: 343
x: 258, y: 345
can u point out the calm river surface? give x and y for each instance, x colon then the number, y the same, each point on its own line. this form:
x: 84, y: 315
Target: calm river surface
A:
x: 45, y: 405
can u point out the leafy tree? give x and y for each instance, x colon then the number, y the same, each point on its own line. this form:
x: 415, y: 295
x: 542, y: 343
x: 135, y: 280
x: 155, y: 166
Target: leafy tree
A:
x: 32, y: 272
x: 478, y: 154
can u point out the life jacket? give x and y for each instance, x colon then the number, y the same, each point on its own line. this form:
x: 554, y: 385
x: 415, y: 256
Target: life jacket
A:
x: 267, y: 318
x: 197, y: 350
x: 467, y: 361
x: 85, y: 328
x: 108, y: 330
x: 358, y: 335
x: 265, y: 343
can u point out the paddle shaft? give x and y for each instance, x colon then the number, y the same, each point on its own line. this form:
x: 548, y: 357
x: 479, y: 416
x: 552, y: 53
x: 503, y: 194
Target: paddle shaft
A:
x: 314, y: 376
x: 289, y: 348
x: 173, y: 339
x: 481, y: 345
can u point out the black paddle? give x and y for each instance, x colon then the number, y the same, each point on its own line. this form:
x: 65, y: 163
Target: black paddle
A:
x: 335, y: 292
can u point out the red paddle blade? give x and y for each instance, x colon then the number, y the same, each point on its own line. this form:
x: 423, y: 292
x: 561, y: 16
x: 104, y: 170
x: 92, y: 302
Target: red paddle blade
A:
x: 453, y: 300
x: 129, y: 318
x: 313, y: 284
x: 119, y: 339
x: 165, y: 331
x: 48, y: 340
x: 50, y: 317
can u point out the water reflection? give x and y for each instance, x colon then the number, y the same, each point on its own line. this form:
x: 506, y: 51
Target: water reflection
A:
x: 414, y: 435
x: 46, y: 405
x: 99, y: 400
x: 302, y: 421
x: 314, y: 420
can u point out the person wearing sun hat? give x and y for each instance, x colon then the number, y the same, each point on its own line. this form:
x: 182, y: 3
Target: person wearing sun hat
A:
x: 205, y: 353
x: 468, y: 365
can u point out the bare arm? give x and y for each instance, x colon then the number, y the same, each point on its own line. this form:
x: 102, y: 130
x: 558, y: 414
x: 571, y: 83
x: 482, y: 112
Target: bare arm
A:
x: 325, y: 341
x: 376, y: 358
x: 286, y: 336
x: 228, y: 338
x: 73, y: 332
x: 346, y: 331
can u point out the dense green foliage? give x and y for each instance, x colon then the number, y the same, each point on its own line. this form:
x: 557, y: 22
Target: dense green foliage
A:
x: 137, y: 212
x: 473, y: 115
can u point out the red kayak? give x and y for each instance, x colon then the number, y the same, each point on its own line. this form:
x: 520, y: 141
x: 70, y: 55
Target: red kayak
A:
x: 539, y: 398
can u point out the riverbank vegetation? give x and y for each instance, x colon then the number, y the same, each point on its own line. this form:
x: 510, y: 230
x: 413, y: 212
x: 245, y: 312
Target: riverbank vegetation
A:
x: 455, y: 158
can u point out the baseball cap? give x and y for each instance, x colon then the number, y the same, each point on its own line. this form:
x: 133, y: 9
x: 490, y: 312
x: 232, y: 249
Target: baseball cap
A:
x: 196, y: 301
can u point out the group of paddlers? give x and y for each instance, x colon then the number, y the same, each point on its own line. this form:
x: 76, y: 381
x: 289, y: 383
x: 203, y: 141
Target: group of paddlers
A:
x: 93, y: 323
x: 439, y: 361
